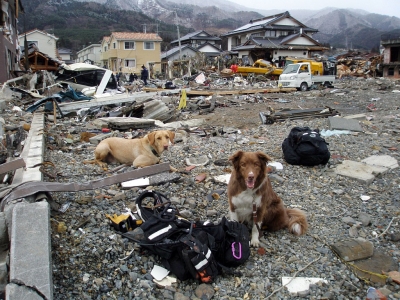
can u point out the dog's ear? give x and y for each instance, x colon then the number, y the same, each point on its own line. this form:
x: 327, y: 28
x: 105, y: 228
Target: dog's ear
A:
x: 235, y: 158
x: 152, y: 137
x: 263, y: 157
x: 171, y: 136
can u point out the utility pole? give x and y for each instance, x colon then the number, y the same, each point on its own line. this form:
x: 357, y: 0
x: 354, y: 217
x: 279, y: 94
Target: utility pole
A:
x: 144, y: 28
x: 179, y: 37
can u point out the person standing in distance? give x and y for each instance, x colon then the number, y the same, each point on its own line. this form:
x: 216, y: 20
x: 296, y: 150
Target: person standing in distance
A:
x: 144, y: 74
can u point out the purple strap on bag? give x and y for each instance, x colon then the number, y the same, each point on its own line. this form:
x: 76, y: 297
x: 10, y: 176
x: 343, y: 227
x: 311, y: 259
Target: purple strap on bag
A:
x: 240, y: 251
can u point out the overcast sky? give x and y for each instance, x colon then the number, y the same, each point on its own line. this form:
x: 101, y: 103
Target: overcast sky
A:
x: 383, y: 7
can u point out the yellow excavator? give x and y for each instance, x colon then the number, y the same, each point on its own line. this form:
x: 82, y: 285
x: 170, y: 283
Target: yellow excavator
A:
x: 266, y: 68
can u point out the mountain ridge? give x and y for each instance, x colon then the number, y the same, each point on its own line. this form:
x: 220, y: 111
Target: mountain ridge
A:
x: 355, y: 28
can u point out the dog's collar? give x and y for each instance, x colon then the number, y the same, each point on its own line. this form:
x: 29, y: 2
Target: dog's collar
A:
x: 154, y: 152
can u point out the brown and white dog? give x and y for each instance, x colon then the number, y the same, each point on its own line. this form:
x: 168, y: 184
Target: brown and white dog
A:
x: 140, y: 152
x: 252, y: 199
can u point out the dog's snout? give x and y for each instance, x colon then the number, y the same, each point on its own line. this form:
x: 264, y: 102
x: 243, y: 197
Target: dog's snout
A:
x: 165, y: 147
x: 251, y: 175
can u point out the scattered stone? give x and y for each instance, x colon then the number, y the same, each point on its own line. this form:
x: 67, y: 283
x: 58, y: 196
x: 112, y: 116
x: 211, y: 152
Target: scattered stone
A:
x: 204, y: 291
x: 353, y: 249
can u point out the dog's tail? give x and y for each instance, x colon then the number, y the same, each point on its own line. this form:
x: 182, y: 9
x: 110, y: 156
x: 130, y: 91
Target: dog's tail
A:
x: 297, y: 221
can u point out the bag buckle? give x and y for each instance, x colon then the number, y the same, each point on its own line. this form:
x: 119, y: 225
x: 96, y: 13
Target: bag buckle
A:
x: 234, y: 250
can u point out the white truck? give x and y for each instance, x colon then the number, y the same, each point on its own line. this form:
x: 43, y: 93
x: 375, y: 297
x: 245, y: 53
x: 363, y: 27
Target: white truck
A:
x: 300, y: 76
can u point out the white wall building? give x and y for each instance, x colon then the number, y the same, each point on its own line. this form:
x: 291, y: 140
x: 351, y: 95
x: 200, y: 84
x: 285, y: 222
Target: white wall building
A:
x: 90, y: 54
x: 45, y: 42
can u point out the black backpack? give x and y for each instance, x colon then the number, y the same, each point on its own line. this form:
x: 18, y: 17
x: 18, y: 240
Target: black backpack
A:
x: 306, y: 147
x: 200, y: 250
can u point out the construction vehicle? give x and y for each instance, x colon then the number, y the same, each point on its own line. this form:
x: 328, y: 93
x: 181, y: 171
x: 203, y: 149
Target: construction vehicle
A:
x: 264, y: 67
x: 301, y: 76
x: 260, y: 67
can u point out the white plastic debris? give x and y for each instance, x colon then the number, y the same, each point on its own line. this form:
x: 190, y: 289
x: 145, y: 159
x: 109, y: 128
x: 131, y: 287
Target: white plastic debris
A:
x: 300, y: 284
x: 145, y: 181
x: 167, y: 281
x: 365, y: 198
x: 223, y: 178
x: 327, y: 133
x: 200, y: 78
x: 159, y: 273
x: 276, y: 165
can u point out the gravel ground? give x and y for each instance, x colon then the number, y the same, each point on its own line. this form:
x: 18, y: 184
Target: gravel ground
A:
x: 95, y: 263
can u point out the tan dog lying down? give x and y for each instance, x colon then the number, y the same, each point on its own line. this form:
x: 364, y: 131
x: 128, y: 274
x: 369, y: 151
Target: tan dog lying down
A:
x: 140, y: 152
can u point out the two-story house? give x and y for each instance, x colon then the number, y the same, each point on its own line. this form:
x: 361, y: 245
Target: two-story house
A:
x: 126, y: 52
x: 9, y: 47
x: 90, y: 55
x: 45, y: 42
x: 198, y: 42
x: 272, y: 38
x: 390, y: 44
x: 65, y: 55
x: 197, y: 38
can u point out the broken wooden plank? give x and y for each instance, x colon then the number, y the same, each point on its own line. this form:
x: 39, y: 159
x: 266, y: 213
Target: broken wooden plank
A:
x: 12, y: 165
x: 239, y: 92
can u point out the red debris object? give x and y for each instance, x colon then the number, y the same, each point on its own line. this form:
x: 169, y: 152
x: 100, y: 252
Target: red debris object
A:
x: 201, y: 177
x: 374, y: 294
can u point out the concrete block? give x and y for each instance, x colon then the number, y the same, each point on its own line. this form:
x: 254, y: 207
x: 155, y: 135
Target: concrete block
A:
x: 30, y: 253
x: 344, y: 124
x: 381, y: 161
x: 359, y: 171
x: 17, y: 292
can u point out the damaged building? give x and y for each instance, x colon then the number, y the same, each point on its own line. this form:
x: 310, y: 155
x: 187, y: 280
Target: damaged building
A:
x: 391, y: 54
x: 272, y: 38
x: 9, y: 48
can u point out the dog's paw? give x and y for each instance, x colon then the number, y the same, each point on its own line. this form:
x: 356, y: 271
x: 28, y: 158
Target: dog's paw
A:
x: 296, y: 229
x: 255, y: 242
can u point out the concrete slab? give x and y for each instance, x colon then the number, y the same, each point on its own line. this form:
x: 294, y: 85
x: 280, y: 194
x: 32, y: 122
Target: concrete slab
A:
x: 32, y: 152
x: 386, y: 161
x: 17, y: 292
x: 344, y: 124
x: 359, y: 171
x: 124, y: 123
x: 30, y: 252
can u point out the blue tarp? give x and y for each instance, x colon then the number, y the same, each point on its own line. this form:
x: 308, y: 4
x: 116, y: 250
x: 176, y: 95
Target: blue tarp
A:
x: 69, y: 95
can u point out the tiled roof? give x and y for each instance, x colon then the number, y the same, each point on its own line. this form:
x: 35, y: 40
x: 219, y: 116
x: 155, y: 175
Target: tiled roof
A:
x: 106, y: 39
x: 40, y: 31
x: 136, y: 36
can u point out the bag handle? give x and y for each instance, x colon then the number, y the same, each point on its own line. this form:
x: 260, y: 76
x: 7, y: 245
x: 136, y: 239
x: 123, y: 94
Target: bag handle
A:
x: 159, y: 201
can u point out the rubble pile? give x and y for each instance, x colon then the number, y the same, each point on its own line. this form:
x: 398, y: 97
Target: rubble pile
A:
x: 213, y: 116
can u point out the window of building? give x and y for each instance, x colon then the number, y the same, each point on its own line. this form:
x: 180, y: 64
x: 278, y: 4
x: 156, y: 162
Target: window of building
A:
x: 130, y: 63
x: 270, y: 33
x: 115, y: 45
x: 148, y: 45
x: 129, y: 45
x: 105, y: 48
x: 390, y: 71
